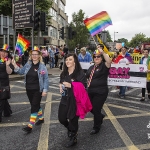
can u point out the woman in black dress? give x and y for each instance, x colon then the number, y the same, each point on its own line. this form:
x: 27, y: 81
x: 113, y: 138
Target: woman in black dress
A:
x: 6, y: 68
x: 97, y: 85
x: 67, y: 109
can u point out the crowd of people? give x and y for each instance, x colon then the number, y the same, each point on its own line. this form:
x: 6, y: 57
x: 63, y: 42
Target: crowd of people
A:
x: 82, y: 91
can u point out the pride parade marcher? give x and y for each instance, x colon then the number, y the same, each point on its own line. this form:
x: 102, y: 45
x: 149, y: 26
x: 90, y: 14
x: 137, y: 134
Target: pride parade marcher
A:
x: 67, y: 114
x: 36, y: 83
x: 97, y: 85
x: 6, y: 68
x: 146, y: 61
x: 123, y: 58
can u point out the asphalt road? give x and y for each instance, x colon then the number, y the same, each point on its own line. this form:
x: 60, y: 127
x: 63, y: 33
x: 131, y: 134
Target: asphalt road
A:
x: 125, y: 127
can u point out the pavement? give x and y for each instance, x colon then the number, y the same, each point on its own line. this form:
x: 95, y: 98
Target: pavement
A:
x: 51, y: 71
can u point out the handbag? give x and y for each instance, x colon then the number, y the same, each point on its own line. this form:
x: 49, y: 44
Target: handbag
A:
x: 4, y: 92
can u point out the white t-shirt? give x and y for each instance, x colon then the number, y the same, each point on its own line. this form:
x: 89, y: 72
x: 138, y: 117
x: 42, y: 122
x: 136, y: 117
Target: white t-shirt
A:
x: 123, y: 61
x: 145, y: 61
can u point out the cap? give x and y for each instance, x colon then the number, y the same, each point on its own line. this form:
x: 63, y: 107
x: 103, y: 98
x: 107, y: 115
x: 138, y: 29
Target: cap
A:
x: 5, y: 48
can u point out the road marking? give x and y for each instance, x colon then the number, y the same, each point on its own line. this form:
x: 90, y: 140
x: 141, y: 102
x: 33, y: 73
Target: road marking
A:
x: 128, y: 101
x: 44, y: 134
x: 126, y: 108
x: 114, y: 91
x: 127, y: 141
x: 53, y: 87
x: 132, y: 90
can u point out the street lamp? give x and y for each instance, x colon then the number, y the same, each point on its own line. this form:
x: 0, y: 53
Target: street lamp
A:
x: 114, y: 35
x: 114, y: 39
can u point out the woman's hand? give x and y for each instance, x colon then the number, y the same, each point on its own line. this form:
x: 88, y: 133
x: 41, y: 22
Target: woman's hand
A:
x: 67, y: 84
x: 60, y: 88
x: 44, y: 93
x: 8, y: 62
x: 100, y: 50
x: 148, y: 71
x: 14, y: 63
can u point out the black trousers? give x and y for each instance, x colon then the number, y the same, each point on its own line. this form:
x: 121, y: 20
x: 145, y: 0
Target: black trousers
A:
x: 72, y: 124
x: 56, y: 61
x: 97, y: 101
x: 148, y: 89
x: 5, y: 107
x: 35, y: 97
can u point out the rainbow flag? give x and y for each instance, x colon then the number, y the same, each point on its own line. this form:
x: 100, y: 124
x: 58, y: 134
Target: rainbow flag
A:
x: 22, y: 44
x: 98, y: 22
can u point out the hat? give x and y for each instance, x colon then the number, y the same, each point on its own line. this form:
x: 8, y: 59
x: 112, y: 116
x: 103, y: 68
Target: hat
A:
x: 5, y: 48
x: 35, y: 48
x: 96, y: 52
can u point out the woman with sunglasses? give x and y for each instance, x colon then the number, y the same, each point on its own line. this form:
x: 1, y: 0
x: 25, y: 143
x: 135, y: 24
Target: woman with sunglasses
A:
x: 36, y: 82
x: 97, y: 85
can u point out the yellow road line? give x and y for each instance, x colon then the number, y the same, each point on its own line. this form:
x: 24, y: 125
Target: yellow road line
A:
x: 44, y: 134
x: 125, y: 138
x: 126, y: 108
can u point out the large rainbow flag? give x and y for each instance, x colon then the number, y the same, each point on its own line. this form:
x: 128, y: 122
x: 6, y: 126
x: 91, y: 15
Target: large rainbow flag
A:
x: 98, y: 22
x: 22, y: 44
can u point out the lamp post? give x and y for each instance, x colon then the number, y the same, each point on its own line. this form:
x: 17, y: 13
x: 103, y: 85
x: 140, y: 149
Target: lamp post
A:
x: 114, y: 38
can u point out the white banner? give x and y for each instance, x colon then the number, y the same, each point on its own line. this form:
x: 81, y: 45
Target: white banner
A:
x: 132, y: 75
x: 85, y: 65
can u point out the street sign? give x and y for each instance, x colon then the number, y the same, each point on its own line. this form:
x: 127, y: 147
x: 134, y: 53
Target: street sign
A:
x: 23, y: 11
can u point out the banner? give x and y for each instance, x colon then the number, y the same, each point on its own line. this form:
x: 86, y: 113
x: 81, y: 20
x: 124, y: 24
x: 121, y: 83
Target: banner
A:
x: 132, y: 75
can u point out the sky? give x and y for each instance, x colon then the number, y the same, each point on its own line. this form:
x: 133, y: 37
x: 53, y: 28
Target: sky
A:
x: 129, y: 17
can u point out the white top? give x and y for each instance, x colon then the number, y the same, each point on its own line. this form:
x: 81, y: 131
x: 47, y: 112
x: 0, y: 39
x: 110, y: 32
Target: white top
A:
x: 145, y: 61
x: 123, y: 61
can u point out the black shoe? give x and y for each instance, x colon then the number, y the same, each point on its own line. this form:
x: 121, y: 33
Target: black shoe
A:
x: 142, y: 99
x: 94, y: 132
x: 27, y: 129
x: 72, y: 141
x: 39, y: 122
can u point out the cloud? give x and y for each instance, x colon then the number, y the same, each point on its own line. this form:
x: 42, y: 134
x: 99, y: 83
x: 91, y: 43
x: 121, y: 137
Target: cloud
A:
x: 129, y: 17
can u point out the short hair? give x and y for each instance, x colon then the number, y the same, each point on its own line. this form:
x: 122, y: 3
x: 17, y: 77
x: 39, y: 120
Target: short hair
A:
x: 101, y: 45
x: 83, y: 49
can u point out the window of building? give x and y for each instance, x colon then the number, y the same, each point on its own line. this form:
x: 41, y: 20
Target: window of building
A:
x: 62, y: 6
x: 62, y: 21
x: 53, y: 32
x: 53, y: 13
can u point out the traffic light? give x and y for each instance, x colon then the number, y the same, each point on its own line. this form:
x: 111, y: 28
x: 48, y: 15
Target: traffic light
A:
x: 61, y: 33
x: 43, y: 21
x: 69, y: 33
x: 36, y: 20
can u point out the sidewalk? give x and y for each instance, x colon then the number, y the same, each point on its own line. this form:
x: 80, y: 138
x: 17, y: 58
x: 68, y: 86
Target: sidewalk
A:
x: 53, y: 71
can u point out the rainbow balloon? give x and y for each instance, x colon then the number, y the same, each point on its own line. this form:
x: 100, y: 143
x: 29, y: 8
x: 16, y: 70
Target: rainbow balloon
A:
x: 98, y: 22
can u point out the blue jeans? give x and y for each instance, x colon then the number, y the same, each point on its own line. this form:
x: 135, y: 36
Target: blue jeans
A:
x: 122, y: 90
x: 52, y: 62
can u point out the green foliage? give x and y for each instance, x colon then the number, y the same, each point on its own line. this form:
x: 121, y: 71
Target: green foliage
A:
x: 123, y: 40
x: 109, y: 39
x: 6, y: 7
x: 82, y: 34
x: 138, y: 39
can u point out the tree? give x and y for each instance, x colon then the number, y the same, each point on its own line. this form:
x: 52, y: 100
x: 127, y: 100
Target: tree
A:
x: 123, y: 40
x: 81, y: 33
x: 109, y: 39
x: 137, y: 40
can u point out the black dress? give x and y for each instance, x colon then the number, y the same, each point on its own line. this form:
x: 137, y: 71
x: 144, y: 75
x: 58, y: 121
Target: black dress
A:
x: 4, y: 81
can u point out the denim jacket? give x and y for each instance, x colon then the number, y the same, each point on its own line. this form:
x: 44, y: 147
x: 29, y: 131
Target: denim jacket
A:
x: 42, y: 74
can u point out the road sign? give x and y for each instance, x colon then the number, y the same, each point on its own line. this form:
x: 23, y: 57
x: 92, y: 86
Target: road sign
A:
x: 22, y: 12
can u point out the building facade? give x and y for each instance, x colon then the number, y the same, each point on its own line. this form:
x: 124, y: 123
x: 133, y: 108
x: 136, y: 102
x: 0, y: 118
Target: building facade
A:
x: 59, y: 19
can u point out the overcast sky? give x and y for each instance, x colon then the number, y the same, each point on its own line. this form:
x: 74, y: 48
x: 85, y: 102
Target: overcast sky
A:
x: 129, y: 17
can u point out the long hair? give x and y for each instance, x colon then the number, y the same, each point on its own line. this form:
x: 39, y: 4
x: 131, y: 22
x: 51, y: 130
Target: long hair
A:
x: 76, y: 70
x: 41, y: 59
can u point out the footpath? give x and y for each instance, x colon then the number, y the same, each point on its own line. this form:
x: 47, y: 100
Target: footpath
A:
x: 52, y: 71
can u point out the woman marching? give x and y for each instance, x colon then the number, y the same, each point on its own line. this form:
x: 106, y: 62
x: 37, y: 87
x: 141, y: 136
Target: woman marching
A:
x: 67, y: 109
x: 97, y: 85
x: 36, y: 83
x: 6, y: 68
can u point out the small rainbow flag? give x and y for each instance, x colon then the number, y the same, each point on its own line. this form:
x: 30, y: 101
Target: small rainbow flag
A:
x: 22, y: 44
x: 98, y: 22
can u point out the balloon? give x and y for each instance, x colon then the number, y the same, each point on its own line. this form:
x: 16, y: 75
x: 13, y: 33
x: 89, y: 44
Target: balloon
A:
x: 122, y: 44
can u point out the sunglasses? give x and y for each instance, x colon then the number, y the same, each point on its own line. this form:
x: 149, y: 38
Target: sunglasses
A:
x: 96, y: 56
